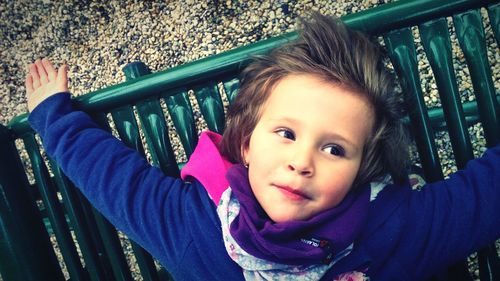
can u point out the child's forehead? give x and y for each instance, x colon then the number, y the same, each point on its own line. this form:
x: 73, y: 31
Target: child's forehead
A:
x: 310, y: 101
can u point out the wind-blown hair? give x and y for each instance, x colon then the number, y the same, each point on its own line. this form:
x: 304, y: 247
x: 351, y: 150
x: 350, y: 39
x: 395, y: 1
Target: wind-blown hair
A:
x: 329, y: 50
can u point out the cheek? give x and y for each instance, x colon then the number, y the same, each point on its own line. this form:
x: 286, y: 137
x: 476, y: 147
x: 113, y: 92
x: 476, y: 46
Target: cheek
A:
x: 246, y: 154
x: 338, y: 181
x: 350, y: 175
x: 252, y: 151
x: 334, y: 194
x: 257, y: 181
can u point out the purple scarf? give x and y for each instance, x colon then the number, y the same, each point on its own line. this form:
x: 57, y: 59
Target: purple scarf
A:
x: 317, y: 240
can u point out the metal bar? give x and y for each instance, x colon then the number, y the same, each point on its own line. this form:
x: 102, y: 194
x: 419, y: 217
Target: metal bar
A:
x: 404, y: 59
x: 127, y: 127
x: 211, y: 106
x: 26, y: 252
x: 154, y: 125
x: 113, y: 248
x: 156, y: 131
x: 146, y: 263
x: 54, y: 209
x: 231, y: 87
x: 111, y: 242
x: 494, y: 15
x: 437, y: 45
x: 73, y: 202
x: 470, y: 34
x: 406, y: 13
x: 489, y: 269
x: 128, y: 130
x: 182, y: 116
x: 471, y: 113
x: 102, y: 258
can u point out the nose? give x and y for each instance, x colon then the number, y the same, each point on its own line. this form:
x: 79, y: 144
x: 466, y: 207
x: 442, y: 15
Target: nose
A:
x: 301, y: 163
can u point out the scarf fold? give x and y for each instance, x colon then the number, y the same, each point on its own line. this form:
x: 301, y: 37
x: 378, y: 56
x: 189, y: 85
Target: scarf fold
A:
x: 259, y: 269
x: 318, y: 240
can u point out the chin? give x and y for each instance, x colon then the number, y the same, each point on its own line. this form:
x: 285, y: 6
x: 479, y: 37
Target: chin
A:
x: 279, y: 218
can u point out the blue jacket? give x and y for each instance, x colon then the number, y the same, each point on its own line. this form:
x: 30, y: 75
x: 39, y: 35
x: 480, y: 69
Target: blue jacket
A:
x: 409, y: 235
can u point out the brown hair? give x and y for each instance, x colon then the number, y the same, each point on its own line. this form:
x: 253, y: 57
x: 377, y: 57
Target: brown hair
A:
x: 327, y: 49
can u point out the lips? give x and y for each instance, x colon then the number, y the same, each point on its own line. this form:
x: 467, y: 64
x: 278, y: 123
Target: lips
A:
x: 292, y: 193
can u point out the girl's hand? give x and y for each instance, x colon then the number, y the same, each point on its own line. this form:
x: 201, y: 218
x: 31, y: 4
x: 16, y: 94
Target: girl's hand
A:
x: 43, y: 81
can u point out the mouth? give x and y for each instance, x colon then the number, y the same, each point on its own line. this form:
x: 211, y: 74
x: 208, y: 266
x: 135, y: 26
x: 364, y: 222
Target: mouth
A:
x: 291, y: 193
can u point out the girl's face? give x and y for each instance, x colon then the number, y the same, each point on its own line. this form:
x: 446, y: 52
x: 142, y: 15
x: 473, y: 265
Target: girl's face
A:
x: 306, y: 149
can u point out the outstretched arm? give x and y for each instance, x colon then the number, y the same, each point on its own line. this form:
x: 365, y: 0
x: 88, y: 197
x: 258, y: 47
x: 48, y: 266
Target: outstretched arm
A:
x: 457, y: 216
x: 136, y: 197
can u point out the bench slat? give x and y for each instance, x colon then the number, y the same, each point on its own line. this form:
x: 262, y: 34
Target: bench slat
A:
x: 404, y: 59
x: 112, y: 255
x: 54, y: 209
x: 437, y: 45
x: 76, y: 206
x: 470, y: 34
x: 494, y: 15
x: 26, y: 252
x: 153, y: 125
x: 126, y: 125
x: 182, y: 116
x: 128, y: 130
x: 231, y: 87
x: 211, y: 106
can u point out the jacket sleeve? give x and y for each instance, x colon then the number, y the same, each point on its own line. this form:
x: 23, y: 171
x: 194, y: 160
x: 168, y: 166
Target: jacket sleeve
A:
x: 137, y: 198
x: 450, y: 219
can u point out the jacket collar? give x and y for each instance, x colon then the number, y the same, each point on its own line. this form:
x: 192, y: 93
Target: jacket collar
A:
x: 207, y: 165
x: 389, y: 199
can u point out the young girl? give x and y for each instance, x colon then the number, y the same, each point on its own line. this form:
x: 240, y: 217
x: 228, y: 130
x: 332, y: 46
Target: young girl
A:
x: 308, y: 180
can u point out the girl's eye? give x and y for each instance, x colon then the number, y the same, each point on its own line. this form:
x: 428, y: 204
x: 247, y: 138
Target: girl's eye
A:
x: 334, y: 150
x: 285, y: 133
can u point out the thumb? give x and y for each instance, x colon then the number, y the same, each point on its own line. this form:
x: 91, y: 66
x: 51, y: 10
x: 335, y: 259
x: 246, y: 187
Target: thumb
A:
x: 62, y: 78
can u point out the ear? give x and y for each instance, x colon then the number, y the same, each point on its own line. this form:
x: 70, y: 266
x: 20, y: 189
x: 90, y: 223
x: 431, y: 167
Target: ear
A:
x: 245, y: 153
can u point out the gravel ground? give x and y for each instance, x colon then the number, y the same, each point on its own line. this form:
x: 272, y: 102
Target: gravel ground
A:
x: 98, y: 39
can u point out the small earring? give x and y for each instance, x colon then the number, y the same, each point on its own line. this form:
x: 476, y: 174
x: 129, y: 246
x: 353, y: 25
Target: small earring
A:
x: 246, y: 165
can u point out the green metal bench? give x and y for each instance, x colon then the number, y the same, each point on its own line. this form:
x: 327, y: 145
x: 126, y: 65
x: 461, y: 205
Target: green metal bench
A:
x: 26, y: 252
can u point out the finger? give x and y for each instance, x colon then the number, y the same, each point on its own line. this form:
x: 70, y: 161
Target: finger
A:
x: 35, y: 76
x: 41, y: 71
x: 49, y: 68
x: 62, y: 78
x: 29, y: 84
